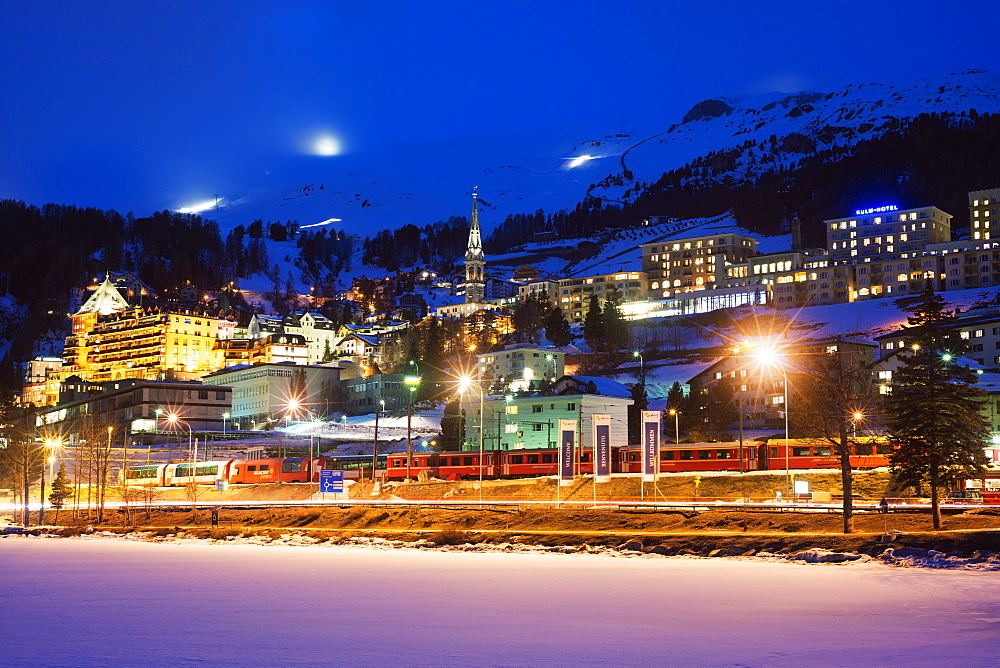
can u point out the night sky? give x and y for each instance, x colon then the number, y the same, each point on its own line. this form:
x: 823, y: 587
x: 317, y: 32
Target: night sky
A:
x: 149, y: 105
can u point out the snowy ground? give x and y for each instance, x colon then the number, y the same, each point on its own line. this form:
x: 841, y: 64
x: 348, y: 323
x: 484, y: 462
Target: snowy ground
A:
x: 90, y: 602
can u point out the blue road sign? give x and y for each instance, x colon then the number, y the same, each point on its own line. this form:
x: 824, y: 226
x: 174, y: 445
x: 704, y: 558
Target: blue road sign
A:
x: 331, y: 482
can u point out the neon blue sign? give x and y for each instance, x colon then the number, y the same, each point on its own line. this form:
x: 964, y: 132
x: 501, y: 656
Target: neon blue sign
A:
x: 876, y: 209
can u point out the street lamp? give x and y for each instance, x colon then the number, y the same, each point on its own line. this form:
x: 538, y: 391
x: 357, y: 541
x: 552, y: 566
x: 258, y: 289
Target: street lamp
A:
x: 411, y: 382
x: 464, y: 384
x: 770, y: 357
x: 381, y: 403
x: 855, y: 419
x: 642, y: 366
x: 174, y: 421
x: 225, y: 416
x: 677, y: 425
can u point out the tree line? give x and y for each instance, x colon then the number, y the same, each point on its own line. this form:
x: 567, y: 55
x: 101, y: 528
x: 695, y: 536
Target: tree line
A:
x: 932, y: 159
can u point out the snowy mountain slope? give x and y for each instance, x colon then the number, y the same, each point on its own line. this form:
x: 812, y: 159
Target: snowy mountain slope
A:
x: 519, y: 173
x: 782, y: 130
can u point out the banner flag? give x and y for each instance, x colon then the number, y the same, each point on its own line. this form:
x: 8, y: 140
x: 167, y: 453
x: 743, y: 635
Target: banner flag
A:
x: 650, y: 445
x: 602, y: 448
x: 567, y: 443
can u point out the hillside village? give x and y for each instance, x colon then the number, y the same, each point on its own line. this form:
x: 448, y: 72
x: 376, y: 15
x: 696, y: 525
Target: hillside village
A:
x: 650, y: 320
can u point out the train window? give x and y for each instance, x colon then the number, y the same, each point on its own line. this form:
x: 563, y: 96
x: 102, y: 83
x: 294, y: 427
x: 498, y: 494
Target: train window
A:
x: 585, y: 457
x: 467, y: 461
x: 863, y: 448
x: 800, y: 452
x: 666, y: 455
x: 687, y: 454
x: 723, y: 454
x: 252, y: 467
x: 883, y: 449
x: 456, y: 461
x: 291, y: 467
x: 264, y: 467
x: 517, y: 459
x: 704, y: 454
x: 532, y: 459
x: 548, y: 459
x: 774, y: 452
x: 822, y: 452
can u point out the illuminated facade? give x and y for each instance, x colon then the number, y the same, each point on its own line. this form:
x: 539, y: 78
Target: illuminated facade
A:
x: 519, y: 361
x: 678, y: 266
x: 574, y: 293
x: 885, y: 233
x: 984, y: 217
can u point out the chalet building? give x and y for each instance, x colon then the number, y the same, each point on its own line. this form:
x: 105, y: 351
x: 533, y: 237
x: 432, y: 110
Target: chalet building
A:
x: 271, y: 349
x: 318, y: 331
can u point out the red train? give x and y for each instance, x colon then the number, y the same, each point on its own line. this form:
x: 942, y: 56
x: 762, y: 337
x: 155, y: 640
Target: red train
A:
x: 764, y: 455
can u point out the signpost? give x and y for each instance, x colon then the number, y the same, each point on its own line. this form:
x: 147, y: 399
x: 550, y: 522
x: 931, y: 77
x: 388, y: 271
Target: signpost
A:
x: 331, y: 482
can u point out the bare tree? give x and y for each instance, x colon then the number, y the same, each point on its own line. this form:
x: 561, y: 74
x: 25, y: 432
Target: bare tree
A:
x: 835, y: 396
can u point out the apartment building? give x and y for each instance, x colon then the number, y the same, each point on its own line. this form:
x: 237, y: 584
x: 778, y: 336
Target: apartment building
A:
x: 678, y: 266
x: 574, y: 293
x: 520, y: 361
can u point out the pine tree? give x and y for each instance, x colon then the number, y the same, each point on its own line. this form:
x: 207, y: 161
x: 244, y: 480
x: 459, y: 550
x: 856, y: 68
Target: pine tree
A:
x: 593, y: 325
x: 617, y: 336
x: 557, y: 328
x: 932, y: 412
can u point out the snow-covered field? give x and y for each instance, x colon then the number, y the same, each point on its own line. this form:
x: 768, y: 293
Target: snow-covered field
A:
x: 99, y: 602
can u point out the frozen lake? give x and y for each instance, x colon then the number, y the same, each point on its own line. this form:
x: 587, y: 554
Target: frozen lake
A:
x: 101, y: 602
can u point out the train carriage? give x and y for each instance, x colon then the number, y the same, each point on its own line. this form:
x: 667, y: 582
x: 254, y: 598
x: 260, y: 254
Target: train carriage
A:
x: 150, y: 475
x: 199, y: 473
x: 447, y: 465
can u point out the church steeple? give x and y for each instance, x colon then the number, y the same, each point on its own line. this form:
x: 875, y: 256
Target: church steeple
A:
x: 475, y: 261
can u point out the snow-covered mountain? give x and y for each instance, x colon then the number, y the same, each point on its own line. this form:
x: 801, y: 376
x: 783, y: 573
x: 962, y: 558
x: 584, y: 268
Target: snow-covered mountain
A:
x: 549, y: 170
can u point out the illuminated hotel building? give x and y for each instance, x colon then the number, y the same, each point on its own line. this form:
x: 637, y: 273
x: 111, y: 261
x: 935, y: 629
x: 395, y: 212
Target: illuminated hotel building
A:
x: 678, y: 266
x: 575, y: 293
x: 984, y: 218
x: 885, y: 233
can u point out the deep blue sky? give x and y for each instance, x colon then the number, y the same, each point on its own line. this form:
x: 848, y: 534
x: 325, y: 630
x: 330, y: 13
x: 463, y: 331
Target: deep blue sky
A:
x: 142, y: 105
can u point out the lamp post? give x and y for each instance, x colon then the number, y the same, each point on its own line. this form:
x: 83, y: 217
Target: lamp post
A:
x: 551, y: 359
x: 225, y: 416
x: 174, y: 421
x: 380, y: 404
x: 412, y: 383
x: 464, y: 385
x: 855, y: 419
x: 677, y: 426
x: 770, y: 357
x: 642, y: 366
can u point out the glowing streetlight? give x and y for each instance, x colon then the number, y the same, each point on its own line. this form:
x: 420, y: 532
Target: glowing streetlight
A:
x: 412, y: 382
x: 464, y: 383
x: 770, y: 357
x: 642, y: 366
x: 677, y: 425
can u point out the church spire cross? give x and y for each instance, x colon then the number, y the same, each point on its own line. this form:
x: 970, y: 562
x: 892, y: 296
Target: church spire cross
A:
x: 475, y: 260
